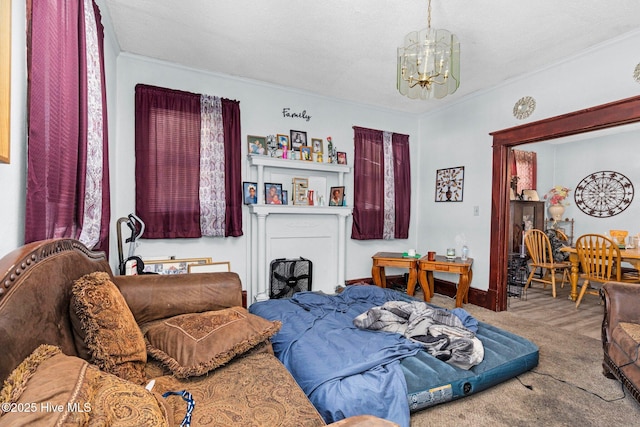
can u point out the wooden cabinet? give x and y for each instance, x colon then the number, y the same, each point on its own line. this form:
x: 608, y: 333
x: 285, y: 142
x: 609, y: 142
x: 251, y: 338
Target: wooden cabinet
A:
x: 523, y: 216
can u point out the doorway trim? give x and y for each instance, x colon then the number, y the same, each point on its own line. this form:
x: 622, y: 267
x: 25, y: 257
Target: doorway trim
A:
x: 603, y: 116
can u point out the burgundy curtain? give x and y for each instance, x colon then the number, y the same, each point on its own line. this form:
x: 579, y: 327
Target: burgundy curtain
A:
x: 168, y: 162
x: 402, y: 181
x: 368, y: 188
x: 233, y: 172
x: 58, y: 109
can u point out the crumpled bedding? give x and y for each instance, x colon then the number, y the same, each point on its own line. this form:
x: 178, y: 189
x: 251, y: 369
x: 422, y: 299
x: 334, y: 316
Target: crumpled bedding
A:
x: 441, y: 332
x: 344, y: 370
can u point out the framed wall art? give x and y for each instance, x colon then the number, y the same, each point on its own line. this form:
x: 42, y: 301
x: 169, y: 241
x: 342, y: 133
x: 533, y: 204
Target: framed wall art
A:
x: 172, y: 266
x: 449, y: 184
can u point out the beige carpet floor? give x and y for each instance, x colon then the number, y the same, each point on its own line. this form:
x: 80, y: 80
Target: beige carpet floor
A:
x: 567, y: 388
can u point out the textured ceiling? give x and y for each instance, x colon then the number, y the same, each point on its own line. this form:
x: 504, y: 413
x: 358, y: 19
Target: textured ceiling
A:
x: 347, y: 48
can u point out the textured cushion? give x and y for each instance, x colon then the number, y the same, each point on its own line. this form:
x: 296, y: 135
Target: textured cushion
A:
x: 193, y: 344
x: 50, y: 388
x: 105, y: 328
x: 253, y: 390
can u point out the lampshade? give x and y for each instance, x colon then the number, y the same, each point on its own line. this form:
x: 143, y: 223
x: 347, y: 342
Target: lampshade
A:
x: 429, y: 63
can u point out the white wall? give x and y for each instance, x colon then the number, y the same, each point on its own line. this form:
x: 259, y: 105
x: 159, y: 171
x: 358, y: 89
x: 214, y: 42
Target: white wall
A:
x: 261, y: 107
x: 459, y: 136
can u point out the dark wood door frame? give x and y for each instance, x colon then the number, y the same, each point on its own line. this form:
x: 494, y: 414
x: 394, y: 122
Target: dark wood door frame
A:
x: 604, y: 116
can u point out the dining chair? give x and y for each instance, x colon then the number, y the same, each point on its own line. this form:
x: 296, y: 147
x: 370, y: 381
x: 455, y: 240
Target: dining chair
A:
x: 539, y: 249
x: 600, y: 261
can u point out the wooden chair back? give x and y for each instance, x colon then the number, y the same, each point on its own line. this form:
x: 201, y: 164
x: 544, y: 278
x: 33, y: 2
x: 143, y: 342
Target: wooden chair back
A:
x: 539, y: 246
x: 599, y: 256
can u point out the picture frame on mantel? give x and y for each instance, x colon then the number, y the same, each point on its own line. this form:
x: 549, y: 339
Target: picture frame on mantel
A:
x: 450, y: 184
x: 298, y: 139
x: 5, y: 80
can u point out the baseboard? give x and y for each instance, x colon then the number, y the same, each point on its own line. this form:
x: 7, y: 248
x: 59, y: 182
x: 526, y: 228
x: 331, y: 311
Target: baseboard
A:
x: 442, y: 287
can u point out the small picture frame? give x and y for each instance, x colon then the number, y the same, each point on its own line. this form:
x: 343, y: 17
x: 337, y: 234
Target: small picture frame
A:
x: 285, y: 197
x: 272, y: 193
x: 298, y: 139
x: 342, y: 158
x: 336, y: 196
x: 316, y: 144
x: 172, y: 266
x: 530, y: 196
x: 257, y: 145
x: 210, y: 267
x: 250, y: 193
x: 305, y: 153
x: 283, y: 142
x: 300, y: 187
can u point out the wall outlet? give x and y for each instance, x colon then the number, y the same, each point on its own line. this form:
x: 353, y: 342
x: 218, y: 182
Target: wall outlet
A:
x: 476, y: 211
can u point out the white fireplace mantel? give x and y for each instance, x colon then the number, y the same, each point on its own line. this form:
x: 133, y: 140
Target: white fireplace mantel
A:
x: 262, y: 211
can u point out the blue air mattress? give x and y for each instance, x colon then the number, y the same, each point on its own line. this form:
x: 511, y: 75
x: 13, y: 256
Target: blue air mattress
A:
x: 347, y: 371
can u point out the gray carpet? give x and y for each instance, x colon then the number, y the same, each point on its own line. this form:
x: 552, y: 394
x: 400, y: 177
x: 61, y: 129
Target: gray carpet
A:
x: 567, y: 388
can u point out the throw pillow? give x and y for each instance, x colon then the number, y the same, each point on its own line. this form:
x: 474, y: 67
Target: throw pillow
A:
x: 104, y: 325
x: 51, y: 388
x: 194, y: 344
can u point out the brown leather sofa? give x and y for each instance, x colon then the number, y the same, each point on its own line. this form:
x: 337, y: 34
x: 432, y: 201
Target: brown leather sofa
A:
x: 252, y: 389
x: 621, y: 334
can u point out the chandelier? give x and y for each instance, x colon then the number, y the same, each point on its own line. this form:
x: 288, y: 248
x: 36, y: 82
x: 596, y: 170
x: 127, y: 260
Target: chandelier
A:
x: 429, y: 63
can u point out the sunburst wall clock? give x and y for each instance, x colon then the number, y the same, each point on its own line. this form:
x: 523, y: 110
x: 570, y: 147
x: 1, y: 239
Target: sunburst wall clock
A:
x: 449, y: 184
x: 604, y: 194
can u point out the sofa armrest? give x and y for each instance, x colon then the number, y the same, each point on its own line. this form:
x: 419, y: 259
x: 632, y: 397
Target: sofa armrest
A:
x: 621, y: 303
x: 156, y: 296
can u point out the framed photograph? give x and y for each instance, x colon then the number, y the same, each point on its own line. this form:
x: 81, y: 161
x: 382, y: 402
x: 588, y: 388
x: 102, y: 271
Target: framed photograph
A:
x: 342, y: 158
x: 285, y: 197
x: 300, y: 187
x: 298, y: 139
x: 210, y: 267
x: 256, y: 144
x: 449, y: 184
x: 250, y: 193
x: 272, y: 193
x: 172, y: 266
x: 305, y: 153
x: 336, y: 196
x: 530, y: 196
x: 316, y: 144
x: 283, y: 142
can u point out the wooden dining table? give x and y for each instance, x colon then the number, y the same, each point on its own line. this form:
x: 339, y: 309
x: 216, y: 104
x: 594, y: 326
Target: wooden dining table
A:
x: 632, y: 256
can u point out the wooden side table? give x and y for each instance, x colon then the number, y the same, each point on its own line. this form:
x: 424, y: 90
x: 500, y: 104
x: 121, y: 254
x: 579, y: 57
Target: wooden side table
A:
x: 394, y: 259
x: 441, y: 263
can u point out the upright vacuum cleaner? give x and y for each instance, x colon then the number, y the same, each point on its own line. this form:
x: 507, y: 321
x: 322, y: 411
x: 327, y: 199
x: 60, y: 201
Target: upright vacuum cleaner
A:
x: 136, y: 226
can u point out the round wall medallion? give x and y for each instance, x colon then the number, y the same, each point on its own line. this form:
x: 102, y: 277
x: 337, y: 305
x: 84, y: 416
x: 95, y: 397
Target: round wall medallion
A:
x: 524, y: 107
x: 636, y: 73
x: 604, y: 194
